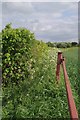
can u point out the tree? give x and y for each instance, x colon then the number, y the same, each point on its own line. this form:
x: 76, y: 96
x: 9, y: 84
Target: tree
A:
x: 74, y: 43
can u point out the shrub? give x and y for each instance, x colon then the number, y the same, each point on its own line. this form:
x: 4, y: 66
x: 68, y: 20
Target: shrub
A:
x: 17, y: 45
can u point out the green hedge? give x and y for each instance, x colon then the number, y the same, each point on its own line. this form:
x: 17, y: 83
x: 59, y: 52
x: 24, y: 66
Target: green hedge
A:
x: 17, y: 45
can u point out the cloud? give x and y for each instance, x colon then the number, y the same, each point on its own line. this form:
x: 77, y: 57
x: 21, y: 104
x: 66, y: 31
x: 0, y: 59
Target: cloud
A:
x: 40, y: 0
x: 15, y: 7
x: 49, y: 21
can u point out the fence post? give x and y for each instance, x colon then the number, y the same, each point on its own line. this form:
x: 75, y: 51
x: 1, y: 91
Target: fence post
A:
x: 58, y: 66
x: 71, y: 103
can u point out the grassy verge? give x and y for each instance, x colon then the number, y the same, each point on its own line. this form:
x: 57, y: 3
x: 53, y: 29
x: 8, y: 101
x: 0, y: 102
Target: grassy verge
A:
x: 38, y: 96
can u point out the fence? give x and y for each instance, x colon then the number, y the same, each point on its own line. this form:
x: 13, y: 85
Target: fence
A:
x: 71, y: 103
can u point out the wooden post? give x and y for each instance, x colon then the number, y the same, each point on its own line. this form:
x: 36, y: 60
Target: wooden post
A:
x: 58, y: 66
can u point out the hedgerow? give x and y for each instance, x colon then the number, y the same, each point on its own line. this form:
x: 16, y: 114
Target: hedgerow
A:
x: 29, y: 82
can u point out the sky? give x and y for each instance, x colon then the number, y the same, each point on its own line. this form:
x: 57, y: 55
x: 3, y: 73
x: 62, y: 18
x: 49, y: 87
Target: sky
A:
x: 50, y: 21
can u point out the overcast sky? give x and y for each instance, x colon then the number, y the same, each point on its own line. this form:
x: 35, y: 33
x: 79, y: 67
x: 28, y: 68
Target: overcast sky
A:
x: 50, y: 21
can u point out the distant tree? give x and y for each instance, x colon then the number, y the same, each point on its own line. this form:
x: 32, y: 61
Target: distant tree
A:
x: 50, y: 44
x: 74, y: 43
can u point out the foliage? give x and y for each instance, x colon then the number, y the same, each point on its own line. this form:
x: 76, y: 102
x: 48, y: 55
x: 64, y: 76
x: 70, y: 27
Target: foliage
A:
x: 39, y: 96
x: 29, y: 82
x: 74, y: 43
x: 50, y: 44
x: 0, y: 75
x: 17, y: 44
x: 62, y: 44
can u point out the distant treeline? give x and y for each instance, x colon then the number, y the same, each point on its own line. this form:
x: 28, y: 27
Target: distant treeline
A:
x: 63, y: 44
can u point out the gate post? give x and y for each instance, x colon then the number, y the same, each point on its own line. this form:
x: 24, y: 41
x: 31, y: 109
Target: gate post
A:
x: 59, y: 60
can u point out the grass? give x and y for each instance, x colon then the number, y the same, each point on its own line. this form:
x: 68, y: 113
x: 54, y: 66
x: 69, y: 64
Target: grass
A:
x: 73, y: 68
x: 40, y: 96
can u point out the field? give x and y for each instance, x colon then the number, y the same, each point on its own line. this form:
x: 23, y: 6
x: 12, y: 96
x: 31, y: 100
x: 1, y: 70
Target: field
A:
x: 29, y: 87
x: 73, y: 69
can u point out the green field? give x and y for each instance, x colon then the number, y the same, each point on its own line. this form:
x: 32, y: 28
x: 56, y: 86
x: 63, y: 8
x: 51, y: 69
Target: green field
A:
x: 73, y: 69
